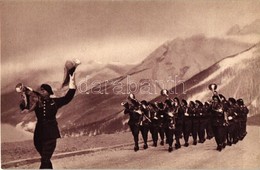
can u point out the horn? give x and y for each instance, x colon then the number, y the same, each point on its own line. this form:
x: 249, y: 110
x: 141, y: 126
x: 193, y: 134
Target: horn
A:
x: 131, y: 96
x: 213, y: 87
x: 19, y: 87
x: 123, y: 103
x: 164, y: 92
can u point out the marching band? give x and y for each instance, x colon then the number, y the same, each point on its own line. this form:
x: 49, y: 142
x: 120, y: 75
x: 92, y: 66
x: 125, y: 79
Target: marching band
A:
x: 224, y: 119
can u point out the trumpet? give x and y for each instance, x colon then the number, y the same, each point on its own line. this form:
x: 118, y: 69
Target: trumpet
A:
x: 125, y: 105
x: 213, y: 88
x: 165, y: 92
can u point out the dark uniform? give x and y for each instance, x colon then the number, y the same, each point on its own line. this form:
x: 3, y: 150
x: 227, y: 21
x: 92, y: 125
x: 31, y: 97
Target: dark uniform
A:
x: 217, y: 121
x: 179, y: 121
x: 209, y: 131
x: 195, y: 123
x: 243, y: 112
x: 169, y: 123
x: 46, y: 130
x: 160, y: 115
x: 202, y: 121
x: 187, y: 122
x: 237, y: 119
x: 134, y: 121
x: 154, y: 127
x: 231, y: 123
x: 145, y: 122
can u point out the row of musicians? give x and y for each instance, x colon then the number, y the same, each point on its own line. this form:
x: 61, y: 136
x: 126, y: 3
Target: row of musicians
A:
x: 172, y: 118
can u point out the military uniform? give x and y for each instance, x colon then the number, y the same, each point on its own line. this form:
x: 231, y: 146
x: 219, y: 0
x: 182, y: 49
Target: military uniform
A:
x: 179, y: 122
x: 169, y: 123
x: 161, y: 127
x: 217, y: 121
x: 202, y: 123
x: 145, y: 123
x: 243, y: 111
x: 187, y: 123
x: 237, y: 120
x: 231, y: 125
x: 134, y: 123
x: 209, y: 131
x: 154, y: 127
x: 195, y: 125
x: 46, y: 130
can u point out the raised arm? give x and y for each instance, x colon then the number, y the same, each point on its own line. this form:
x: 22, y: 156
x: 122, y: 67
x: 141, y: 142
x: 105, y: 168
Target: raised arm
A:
x: 69, y: 95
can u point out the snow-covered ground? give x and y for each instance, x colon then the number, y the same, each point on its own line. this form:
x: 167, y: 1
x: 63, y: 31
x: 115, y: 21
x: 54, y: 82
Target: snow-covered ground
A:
x: 243, y: 155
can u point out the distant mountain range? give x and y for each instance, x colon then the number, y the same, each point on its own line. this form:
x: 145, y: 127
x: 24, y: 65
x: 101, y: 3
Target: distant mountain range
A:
x: 176, y: 61
x: 252, y: 28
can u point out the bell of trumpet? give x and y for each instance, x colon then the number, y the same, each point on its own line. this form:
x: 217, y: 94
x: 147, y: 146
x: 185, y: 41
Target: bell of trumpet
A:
x: 165, y: 92
x: 131, y: 96
x: 213, y: 87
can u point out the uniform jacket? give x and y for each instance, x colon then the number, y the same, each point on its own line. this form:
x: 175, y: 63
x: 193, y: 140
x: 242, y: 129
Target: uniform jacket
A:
x: 217, y: 115
x: 135, y: 116
x: 47, y: 126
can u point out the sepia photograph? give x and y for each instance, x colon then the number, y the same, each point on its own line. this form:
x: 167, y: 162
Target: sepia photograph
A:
x: 130, y: 84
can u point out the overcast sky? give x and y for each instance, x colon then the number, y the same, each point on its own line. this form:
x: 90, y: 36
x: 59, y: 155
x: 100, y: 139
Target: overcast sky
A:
x: 45, y: 33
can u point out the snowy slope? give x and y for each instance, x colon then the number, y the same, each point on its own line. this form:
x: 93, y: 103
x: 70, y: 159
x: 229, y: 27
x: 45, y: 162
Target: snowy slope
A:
x: 236, y: 76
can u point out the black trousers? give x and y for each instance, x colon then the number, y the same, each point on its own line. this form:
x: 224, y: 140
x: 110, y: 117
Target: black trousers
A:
x: 144, y: 131
x: 169, y: 135
x: 209, y: 130
x: 220, y: 134
x: 243, y: 128
x: 187, y: 129
x: 135, y: 132
x: 178, y: 132
x: 202, y: 128
x: 154, y: 131
x: 237, y: 131
x: 195, y: 129
x: 161, y: 131
x: 45, y: 147
x: 231, y: 133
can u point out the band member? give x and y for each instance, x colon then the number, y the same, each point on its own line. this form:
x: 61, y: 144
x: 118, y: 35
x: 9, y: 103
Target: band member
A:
x: 209, y: 132
x: 169, y: 122
x: 179, y: 121
x: 187, y: 122
x: 230, y: 121
x: 160, y: 114
x: 217, y: 120
x: 237, y: 123
x: 145, y: 122
x: 202, y: 121
x: 46, y: 131
x: 195, y: 122
x: 154, y: 128
x: 243, y: 112
x: 134, y: 120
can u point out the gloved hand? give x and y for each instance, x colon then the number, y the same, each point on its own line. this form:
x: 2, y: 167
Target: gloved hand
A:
x: 72, y: 84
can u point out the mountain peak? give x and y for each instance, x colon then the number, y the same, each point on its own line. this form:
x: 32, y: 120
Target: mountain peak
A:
x: 252, y: 28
